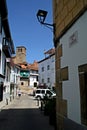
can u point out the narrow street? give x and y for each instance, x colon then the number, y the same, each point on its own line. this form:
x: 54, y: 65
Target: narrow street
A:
x: 23, y: 114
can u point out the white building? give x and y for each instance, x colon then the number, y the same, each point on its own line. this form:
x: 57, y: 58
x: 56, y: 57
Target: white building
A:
x: 14, y: 80
x: 74, y: 58
x: 6, y: 51
x: 29, y: 75
x: 6, y: 87
x: 47, y: 69
x: 33, y: 78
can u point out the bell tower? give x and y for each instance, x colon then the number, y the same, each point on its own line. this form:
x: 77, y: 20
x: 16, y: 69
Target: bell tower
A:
x: 20, y: 54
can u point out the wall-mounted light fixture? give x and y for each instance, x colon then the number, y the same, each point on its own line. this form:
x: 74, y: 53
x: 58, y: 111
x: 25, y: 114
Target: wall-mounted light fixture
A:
x: 41, y: 16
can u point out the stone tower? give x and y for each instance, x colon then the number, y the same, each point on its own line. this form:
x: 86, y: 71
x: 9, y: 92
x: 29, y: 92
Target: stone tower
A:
x: 20, y: 54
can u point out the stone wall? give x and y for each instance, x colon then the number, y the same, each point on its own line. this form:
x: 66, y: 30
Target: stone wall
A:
x: 65, y: 12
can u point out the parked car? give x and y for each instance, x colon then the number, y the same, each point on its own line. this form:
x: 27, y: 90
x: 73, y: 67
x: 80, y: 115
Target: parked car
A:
x: 40, y: 93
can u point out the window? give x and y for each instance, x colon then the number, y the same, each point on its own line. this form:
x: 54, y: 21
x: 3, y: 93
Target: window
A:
x: 42, y: 80
x: 4, y: 89
x: 19, y: 49
x: 48, y: 93
x: 37, y: 78
x: 35, y: 84
x: 4, y: 64
x: 38, y: 91
x: 42, y: 69
x: 48, y: 80
x: 53, y: 59
x: 22, y: 83
x: 43, y: 91
x: 64, y: 74
x: 48, y: 67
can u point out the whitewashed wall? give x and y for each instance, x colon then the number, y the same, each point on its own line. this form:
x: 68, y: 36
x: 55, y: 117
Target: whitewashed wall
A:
x: 73, y: 56
x: 33, y: 78
x: 47, y: 73
x: 3, y: 57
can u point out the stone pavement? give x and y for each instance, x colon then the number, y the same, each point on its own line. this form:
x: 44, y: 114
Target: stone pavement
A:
x: 23, y: 113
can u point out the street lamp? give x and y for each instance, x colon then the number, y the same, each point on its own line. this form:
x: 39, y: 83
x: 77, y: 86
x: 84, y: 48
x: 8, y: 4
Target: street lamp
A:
x: 41, y: 16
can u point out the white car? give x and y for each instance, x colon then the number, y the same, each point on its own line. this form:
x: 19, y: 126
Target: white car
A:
x: 40, y: 93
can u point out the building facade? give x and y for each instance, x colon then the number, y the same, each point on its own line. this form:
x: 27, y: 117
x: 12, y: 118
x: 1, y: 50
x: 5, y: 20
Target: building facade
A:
x: 47, y: 70
x: 28, y: 71
x: 6, y: 51
x: 24, y: 77
x: 14, y: 80
x: 33, y: 68
x: 29, y: 75
x: 70, y: 18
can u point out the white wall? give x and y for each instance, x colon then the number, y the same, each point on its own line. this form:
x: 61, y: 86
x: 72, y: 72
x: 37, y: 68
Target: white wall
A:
x: 47, y: 73
x: 3, y: 57
x: 73, y: 57
x: 33, y: 78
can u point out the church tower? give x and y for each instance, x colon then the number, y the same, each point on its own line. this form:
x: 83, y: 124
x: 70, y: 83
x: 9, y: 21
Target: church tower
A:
x: 20, y: 54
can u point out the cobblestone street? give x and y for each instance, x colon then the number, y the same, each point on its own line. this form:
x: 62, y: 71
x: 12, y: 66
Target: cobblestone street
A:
x: 23, y: 113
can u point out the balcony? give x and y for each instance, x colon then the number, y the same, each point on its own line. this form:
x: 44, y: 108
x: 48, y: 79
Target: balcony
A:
x: 24, y: 74
x: 6, y: 46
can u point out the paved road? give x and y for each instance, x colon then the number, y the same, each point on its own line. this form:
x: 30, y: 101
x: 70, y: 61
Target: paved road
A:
x: 23, y: 114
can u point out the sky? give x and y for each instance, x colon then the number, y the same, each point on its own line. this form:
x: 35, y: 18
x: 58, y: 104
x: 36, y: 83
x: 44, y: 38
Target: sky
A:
x: 26, y: 30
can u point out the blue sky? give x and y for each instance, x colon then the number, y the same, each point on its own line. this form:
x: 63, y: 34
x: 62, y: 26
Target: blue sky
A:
x: 26, y: 30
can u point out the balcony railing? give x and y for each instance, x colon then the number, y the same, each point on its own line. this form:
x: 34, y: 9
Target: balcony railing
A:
x: 24, y: 74
x: 6, y: 45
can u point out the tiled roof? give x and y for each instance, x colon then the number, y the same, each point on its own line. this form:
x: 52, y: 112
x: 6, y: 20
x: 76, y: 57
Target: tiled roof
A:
x: 50, y: 52
x: 33, y: 66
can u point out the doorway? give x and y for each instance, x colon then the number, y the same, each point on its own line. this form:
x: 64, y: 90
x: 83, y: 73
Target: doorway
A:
x: 83, y: 93
x: 1, y: 91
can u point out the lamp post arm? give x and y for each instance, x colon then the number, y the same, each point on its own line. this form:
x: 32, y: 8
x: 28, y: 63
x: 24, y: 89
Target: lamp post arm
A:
x: 52, y: 25
x: 47, y: 24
